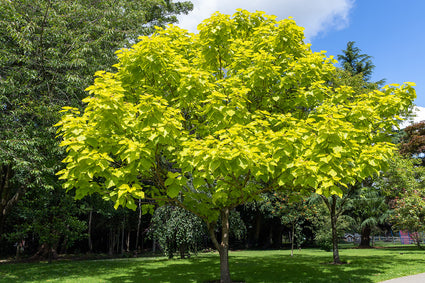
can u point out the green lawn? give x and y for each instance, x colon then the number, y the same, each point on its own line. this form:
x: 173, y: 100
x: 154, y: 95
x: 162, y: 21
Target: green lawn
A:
x: 372, y: 265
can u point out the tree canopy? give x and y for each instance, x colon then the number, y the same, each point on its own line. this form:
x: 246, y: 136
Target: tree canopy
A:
x: 413, y: 141
x: 208, y: 121
x: 49, y: 51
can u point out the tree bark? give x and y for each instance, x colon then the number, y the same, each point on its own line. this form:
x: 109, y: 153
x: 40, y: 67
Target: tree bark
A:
x: 89, y: 232
x: 223, y: 247
x: 334, y: 219
x: 8, y: 197
x: 111, y: 242
x: 258, y: 224
x: 292, y: 239
x: 127, y: 242
x: 365, y: 237
x: 139, y: 221
x: 331, y: 205
x: 122, y: 236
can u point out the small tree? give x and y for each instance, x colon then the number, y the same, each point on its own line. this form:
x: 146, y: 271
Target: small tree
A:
x: 409, y: 213
x: 324, y: 235
x: 177, y: 230
x: 209, y: 121
x: 413, y: 141
x: 403, y: 185
x: 368, y: 209
x: 355, y: 63
x: 293, y: 211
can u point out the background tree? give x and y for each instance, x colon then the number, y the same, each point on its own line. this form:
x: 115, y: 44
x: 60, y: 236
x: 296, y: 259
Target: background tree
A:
x: 49, y: 51
x: 413, y: 141
x: 409, y: 214
x: 368, y: 208
x: 403, y: 185
x: 355, y: 63
x: 294, y: 212
x: 336, y: 207
x: 324, y: 235
x: 209, y: 121
x: 263, y: 229
x: 177, y: 230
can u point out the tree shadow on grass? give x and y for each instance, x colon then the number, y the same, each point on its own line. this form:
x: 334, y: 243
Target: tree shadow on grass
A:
x: 275, y: 267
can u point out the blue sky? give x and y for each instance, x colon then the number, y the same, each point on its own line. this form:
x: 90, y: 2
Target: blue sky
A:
x: 391, y: 31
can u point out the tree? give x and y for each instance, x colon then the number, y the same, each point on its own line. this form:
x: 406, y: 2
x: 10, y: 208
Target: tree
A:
x: 413, y: 141
x: 409, y: 213
x: 355, y: 63
x: 336, y: 206
x: 177, y: 230
x: 368, y: 209
x: 52, y: 218
x: 49, y: 50
x: 328, y: 230
x: 403, y: 185
x: 293, y: 211
x: 209, y: 121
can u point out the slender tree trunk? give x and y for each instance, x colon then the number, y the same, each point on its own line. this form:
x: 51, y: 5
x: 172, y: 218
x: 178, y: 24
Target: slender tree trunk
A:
x: 19, y: 249
x: 8, y: 197
x: 417, y: 239
x: 258, y: 222
x: 334, y: 219
x: 223, y: 247
x: 122, y: 236
x: 270, y: 237
x: 292, y: 239
x: 64, y: 246
x: 111, y: 242
x: 127, y: 242
x: 139, y: 221
x: 365, y: 237
x: 50, y: 253
x: 89, y: 232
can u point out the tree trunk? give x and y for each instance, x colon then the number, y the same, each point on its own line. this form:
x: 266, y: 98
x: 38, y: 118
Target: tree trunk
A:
x: 111, y: 242
x: 334, y: 219
x: 292, y: 239
x: 139, y: 221
x: 258, y: 224
x: 64, y: 246
x: 122, y: 236
x: 223, y: 247
x: 8, y: 197
x: 182, y: 250
x: 50, y: 254
x: 89, y: 232
x: 417, y: 239
x: 19, y: 249
x: 365, y: 237
x: 127, y: 242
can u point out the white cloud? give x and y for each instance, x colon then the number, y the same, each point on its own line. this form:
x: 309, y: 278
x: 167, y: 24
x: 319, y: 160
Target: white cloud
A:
x: 419, y: 113
x: 315, y: 16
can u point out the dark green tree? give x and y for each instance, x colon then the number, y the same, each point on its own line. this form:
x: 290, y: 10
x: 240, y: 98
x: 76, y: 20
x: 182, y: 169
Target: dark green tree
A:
x: 294, y: 212
x: 177, y: 230
x: 49, y: 51
x: 368, y: 209
x: 356, y: 63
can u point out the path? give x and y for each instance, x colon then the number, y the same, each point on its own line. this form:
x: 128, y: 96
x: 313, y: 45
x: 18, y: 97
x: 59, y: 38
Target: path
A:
x: 418, y: 278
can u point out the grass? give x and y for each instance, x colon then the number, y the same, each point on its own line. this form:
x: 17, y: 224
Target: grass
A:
x: 309, y: 265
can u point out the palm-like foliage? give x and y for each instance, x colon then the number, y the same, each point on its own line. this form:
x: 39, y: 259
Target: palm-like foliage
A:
x: 368, y: 209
